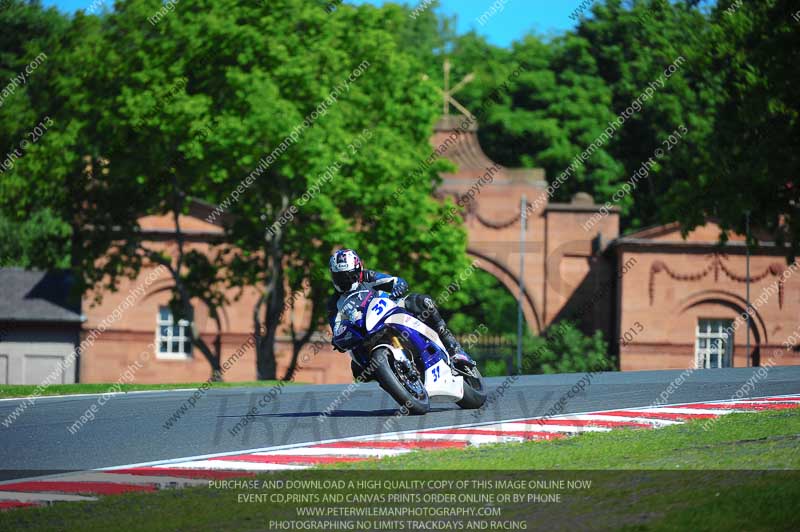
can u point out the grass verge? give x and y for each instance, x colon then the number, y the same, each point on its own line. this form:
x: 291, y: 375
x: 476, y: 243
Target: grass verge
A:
x: 25, y: 390
x: 765, y: 440
x: 739, y: 474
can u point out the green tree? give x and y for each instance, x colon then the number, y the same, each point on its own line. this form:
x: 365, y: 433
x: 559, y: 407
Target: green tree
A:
x: 565, y: 349
x: 249, y: 76
x: 545, y: 116
x: 752, y: 163
x: 54, y: 122
x: 40, y: 241
x: 632, y: 43
x: 31, y: 235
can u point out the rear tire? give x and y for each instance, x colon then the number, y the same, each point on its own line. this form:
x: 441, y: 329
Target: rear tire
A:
x: 391, y: 382
x: 474, y: 391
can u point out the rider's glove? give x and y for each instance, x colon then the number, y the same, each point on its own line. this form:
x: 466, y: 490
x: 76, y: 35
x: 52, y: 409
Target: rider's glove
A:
x: 400, y: 288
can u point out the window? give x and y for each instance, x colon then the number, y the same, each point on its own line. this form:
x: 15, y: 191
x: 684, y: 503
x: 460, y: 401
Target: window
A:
x: 714, y: 343
x: 173, y: 340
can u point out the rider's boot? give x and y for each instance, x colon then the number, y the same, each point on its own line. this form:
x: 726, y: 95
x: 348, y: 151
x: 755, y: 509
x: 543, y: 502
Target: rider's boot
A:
x: 457, y: 353
x: 425, y: 309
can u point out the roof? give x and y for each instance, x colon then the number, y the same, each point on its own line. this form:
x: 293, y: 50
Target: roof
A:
x: 37, y: 296
x: 702, y: 239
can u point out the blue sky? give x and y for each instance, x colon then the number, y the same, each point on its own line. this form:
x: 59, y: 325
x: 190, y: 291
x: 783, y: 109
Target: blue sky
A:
x: 516, y: 18
x: 513, y: 19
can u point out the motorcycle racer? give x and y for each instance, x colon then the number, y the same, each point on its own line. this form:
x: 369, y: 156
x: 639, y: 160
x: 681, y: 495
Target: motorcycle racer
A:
x: 347, y: 272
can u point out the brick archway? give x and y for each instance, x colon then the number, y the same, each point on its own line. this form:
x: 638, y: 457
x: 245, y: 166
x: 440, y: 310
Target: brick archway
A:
x: 511, y: 282
x: 491, y: 196
x: 734, y: 302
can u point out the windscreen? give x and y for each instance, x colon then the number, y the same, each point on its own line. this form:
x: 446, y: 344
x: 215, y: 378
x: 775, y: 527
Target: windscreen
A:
x: 349, y: 306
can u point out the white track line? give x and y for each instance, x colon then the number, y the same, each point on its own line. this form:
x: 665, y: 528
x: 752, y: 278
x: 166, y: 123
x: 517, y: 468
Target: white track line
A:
x: 97, y: 394
x: 231, y: 466
x: 671, y: 410
x: 27, y: 496
x: 534, y: 427
x: 602, y: 417
x: 338, y: 451
x: 121, y: 478
x: 472, y: 439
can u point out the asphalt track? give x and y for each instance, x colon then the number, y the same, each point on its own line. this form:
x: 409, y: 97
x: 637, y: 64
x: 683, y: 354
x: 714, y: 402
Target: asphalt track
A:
x: 129, y: 428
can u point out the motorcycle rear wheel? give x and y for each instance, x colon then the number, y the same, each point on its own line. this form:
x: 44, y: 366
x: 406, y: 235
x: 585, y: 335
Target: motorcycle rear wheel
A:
x: 410, y: 394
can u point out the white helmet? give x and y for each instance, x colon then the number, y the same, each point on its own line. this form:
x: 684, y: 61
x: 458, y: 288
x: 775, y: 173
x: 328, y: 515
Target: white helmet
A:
x: 346, y: 270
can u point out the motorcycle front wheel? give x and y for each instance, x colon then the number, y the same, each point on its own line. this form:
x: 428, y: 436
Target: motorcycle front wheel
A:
x: 474, y: 391
x: 403, y: 384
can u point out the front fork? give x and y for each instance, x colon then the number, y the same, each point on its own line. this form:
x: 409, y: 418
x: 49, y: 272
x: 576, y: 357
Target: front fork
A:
x: 402, y: 358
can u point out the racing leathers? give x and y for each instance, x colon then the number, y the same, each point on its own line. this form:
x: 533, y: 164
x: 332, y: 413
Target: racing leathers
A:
x: 420, y: 305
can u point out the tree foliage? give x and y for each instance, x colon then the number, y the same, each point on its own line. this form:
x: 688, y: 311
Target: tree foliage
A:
x: 565, y: 349
x: 42, y: 239
x: 751, y: 163
x: 192, y: 106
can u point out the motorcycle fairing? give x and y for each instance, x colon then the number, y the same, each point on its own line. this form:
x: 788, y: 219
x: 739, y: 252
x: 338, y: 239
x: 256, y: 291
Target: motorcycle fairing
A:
x: 364, y: 313
x: 439, y: 378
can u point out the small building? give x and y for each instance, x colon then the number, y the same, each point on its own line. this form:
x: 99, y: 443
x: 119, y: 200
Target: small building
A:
x: 132, y: 333
x: 40, y: 326
x: 661, y: 300
x: 681, y: 303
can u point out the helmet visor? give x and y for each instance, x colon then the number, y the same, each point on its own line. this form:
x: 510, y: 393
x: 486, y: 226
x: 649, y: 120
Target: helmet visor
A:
x: 346, y: 281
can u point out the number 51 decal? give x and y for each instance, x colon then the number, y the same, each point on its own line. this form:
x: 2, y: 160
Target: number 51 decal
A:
x: 436, y: 373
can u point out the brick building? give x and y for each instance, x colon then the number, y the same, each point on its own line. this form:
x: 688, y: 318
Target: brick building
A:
x: 686, y: 301
x: 662, y: 302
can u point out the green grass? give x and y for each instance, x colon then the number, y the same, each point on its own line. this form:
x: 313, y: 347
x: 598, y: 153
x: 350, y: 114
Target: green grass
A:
x: 677, y: 478
x: 24, y: 390
x: 765, y: 440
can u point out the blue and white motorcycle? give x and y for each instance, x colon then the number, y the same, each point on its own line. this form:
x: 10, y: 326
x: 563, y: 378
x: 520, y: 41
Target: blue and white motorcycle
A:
x: 405, y: 356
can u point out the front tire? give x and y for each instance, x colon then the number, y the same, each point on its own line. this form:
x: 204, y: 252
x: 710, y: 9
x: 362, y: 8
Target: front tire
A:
x: 409, y: 392
x: 474, y: 391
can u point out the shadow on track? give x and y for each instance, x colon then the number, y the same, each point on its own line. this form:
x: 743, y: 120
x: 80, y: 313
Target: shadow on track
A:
x: 336, y: 413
